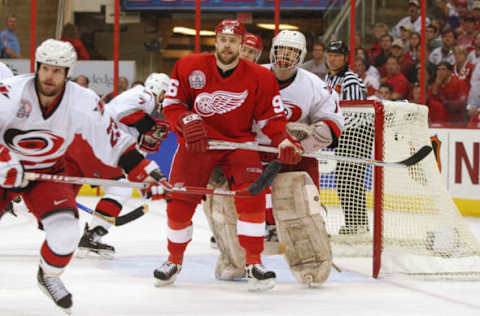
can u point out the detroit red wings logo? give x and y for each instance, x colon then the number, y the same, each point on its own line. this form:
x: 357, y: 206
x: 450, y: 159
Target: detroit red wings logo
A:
x: 218, y: 102
x: 292, y: 111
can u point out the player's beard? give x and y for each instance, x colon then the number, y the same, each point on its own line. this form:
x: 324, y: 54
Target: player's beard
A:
x: 49, y: 90
x: 227, y: 59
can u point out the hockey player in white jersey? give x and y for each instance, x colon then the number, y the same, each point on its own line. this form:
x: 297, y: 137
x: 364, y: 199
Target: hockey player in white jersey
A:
x: 134, y: 111
x: 316, y: 118
x: 39, y: 117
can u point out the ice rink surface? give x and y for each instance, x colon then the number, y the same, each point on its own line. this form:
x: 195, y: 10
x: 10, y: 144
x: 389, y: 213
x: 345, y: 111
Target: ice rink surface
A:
x: 124, y: 285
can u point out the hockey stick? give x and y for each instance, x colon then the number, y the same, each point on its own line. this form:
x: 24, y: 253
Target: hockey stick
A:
x: 410, y: 161
x: 119, y: 220
x: 255, y: 188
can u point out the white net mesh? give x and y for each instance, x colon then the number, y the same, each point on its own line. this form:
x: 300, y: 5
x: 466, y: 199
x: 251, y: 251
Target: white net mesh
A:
x: 423, y: 232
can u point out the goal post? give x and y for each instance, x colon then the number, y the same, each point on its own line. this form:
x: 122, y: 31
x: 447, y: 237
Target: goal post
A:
x: 404, y: 218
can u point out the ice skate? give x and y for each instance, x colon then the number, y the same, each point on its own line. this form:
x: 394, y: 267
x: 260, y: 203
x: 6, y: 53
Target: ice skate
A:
x: 53, y: 287
x: 259, y: 278
x: 167, y: 273
x: 91, y: 242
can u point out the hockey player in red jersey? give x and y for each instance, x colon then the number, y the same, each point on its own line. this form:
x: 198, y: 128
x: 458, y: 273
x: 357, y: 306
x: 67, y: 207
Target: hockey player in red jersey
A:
x: 39, y: 117
x: 217, y: 96
x: 252, y: 47
x: 134, y: 111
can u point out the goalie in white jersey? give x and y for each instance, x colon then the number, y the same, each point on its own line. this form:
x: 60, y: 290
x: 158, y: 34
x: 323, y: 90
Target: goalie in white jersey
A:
x: 316, y: 118
x: 39, y: 117
x: 135, y: 112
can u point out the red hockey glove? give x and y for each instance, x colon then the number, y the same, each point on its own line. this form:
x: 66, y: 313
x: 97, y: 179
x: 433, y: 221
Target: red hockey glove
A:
x: 11, y: 170
x: 194, y: 132
x: 146, y: 171
x: 290, y: 151
x: 151, y: 140
x: 158, y: 191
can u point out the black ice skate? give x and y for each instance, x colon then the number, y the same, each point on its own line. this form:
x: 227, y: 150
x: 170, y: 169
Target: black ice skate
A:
x: 90, y: 242
x: 53, y: 287
x: 167, y: 273
x: 259, y: 278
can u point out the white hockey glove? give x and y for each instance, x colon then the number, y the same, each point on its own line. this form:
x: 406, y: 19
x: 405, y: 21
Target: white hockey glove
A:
x: 11, y: 170
x: 314, y: 137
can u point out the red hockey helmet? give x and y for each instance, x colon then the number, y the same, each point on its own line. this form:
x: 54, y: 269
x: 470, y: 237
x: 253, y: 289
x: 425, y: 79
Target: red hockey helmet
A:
x: 230, y: 27
x: 252, y: 40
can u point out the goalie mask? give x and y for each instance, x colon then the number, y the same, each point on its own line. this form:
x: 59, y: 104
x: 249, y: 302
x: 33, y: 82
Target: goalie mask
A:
x: 288, y: 50
x: 56, y: 53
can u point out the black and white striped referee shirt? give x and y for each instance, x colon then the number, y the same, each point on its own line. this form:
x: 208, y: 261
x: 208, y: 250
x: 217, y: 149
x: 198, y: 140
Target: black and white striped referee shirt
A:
x: 347, y: 84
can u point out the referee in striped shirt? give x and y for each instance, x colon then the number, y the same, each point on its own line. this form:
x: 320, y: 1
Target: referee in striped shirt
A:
x: 356, y: 140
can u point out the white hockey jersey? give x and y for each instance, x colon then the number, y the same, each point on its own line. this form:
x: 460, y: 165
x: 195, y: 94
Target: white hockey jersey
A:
x: 308, y: 100
x: 134, y: 100
x: 40, y: 140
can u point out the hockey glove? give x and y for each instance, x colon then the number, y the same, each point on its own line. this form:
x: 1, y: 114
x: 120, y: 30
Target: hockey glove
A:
x: 146, y: 171
x: 290, y: 151
x: 158, y: 191
x: 11, y: 170
x: 151, y: 140
x: 194, y: 132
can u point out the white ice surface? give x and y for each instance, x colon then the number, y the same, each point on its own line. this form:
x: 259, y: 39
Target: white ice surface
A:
x: 124, y: 285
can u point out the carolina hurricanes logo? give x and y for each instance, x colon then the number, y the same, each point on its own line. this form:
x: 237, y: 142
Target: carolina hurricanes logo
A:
x: 218, y: 102
x: 292, y: 111
x: 33, y: 143
x: 5, y: 90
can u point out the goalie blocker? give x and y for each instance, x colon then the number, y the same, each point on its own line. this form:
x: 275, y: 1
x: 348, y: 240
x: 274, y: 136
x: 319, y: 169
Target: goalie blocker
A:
x: 300, y: 225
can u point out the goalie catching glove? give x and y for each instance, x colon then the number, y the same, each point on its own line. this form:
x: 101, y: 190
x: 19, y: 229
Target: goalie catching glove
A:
x: 312, y: 137
x: 151, y: 140
x: 194, y: 131
x: 11, y: 170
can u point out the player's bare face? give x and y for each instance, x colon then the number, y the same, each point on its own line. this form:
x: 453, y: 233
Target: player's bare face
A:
x: 335, y: 61
x: 51, y: 80
x: 249, y: 53
x: 228, y: 48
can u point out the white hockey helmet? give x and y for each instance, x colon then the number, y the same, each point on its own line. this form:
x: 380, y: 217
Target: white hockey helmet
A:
x: 56, y: 53
x: 156, y: 82
x: 291, y: 39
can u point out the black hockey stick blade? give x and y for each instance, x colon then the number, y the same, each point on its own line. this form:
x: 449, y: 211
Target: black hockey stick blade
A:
x: 417, y: 157
x: 265, y: 178
x: 131, y: 216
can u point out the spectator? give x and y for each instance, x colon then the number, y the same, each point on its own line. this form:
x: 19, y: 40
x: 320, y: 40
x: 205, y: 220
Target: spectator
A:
x: 70, y: 34
x: 462, y: 69
x: 386, y: 42
x: 379, y: 30
x: 405, y: 32
x: 474, y: 94
x: 82, y: 80
x: 465, y: 38
x: 122, y: 86
x: 436, y: 112
x: 474, y: 56
x: 413, y: 20
x: 448, y: 13
x: 461, y: 6
x: 396, y: 79
x: 433, y: 40
x: 445, y: 52
x: 317, y: 65
x: 451, y: 92
x: 411, y: 58
x: 384, y: 93
x: 476, y: 13
x: 371, y: 71
x: 9, y: 41
x: 137, y: 83
x: 360, y: 67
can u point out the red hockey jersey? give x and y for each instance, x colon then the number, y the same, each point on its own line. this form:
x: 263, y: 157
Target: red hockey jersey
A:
x: 228, y: 105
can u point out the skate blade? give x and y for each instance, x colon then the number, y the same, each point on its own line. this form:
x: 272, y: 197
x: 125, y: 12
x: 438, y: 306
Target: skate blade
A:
x: 162, y: 283
x: 44, y: 291
x: 84, y: 252
x: 260, y: 285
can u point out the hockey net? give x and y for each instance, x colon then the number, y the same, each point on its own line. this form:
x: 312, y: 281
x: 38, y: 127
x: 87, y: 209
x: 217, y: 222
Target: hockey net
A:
x: 403, y: 217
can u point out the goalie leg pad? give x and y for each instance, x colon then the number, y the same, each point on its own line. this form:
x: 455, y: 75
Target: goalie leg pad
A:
x: 222, y: 218
x: 301, y: 227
